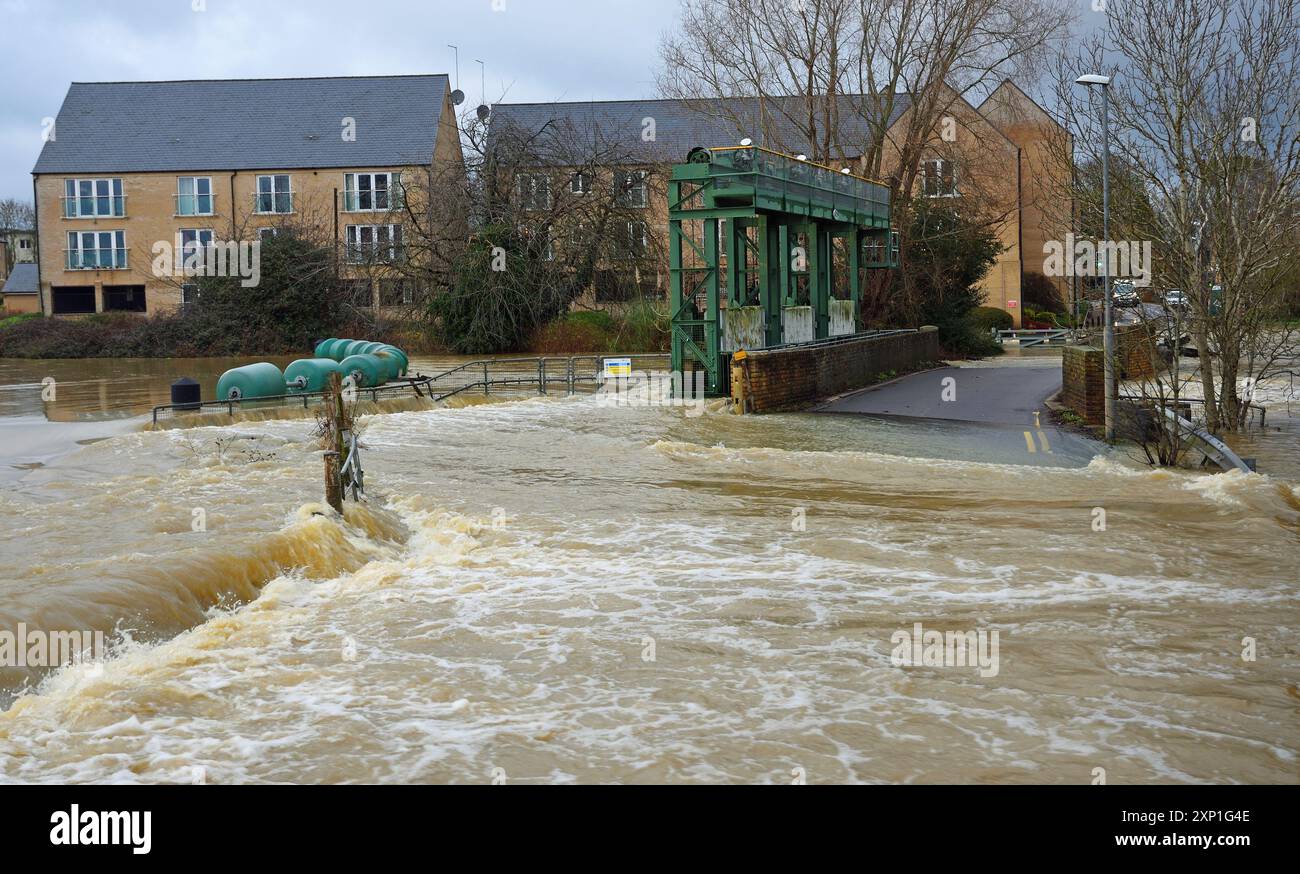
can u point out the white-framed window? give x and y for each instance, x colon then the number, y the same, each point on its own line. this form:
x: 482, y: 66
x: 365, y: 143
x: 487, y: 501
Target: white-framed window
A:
x: 632, y: 239
x: 24, y: 243
x: 534, y: 191
x: 194, y: 195
x: 378, y: 243
x: 97, y: 250
x: 371, y: 192
x: 938, y: 178
x: 630, y: 189
x: 580, y: 183
x: 195, y: 240
x: 93, y: 198
x: 267, y: 233
x: 274, y: 194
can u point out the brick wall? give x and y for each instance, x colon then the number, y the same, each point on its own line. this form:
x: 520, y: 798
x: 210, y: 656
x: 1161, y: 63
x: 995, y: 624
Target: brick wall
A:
x: 1084, y: 381
x: 784, y: 379
x: 1135, y: 353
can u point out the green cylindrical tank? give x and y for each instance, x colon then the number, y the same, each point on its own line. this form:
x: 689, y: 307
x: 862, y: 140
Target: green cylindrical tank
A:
x: 310, y: 374
x: 324, y: 347
x: 339, y: 349
x: 370, y: 348
x: 401, y: 356
x: 391, y: 362
x: 254, y: 381
x: 356, y: 347
x: 372, y: 372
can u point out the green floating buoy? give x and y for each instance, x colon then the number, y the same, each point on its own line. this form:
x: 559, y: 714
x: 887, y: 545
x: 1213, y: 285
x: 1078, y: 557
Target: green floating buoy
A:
x: 366, y: 371
x: 254, y: 381
x: 311, y: 375
x: 392, y: 363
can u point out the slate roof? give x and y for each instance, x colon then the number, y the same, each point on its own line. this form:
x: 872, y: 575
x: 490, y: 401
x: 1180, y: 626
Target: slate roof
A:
x: 244, y: 124
x: 22, y: 280
x: 681, y: 125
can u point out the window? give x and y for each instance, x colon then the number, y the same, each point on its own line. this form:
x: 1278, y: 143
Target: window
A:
x: 274, y: 195
x: 93, y: 198
x: 194, y: 195
x: 124, y: 299
x: 359, y: 293
x: 189, y: 294
x: 192, y: 241
x: 579, y: 183
x: 97, y: 250
x: 630, y: 189
x: 534, y: 191
x: 367, y: 243
x: 371, y: 192
x: 631, y: 240
x: 395, y: 293
x: 939, y: 178
x: 267, y: 233
x: 24, y: 243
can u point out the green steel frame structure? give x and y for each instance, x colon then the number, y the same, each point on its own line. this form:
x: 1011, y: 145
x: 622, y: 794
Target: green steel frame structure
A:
x: 771, y: 234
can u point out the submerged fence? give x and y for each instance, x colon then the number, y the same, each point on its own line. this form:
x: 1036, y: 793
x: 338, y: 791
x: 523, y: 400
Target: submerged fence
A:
x: 542, y: 375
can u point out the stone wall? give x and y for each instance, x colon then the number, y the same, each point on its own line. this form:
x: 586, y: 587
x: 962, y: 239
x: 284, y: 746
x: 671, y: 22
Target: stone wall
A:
x: 768, y: 381
x: 1084, y: 383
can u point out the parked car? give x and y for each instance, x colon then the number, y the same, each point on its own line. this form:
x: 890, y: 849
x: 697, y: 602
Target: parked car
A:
x: 1125, y: 295
x: 1175, y: 299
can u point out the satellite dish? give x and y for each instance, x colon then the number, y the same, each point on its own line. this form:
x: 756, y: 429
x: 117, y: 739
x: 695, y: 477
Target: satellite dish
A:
x: 747, y: 142
x: 846, y: 171
x: 801, y: 157
x: 457, y: 97
x: 483, y: 112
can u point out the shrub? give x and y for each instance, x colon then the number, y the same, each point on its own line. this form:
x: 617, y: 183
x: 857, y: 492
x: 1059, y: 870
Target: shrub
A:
x: 989, y: 319
x: 1039, y: 292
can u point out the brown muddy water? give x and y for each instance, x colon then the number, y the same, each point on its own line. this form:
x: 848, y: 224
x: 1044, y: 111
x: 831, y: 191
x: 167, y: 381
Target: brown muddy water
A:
x: 554, y: 590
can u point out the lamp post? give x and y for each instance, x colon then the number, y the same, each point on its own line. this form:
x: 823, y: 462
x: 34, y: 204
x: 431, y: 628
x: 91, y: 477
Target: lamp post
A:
x: 1108, y: 333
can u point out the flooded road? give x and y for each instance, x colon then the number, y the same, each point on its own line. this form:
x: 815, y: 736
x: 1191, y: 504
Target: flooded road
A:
x: 555, y: 590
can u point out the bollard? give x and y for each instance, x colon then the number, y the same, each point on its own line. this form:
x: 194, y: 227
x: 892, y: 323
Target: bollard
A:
x: 187, y: 394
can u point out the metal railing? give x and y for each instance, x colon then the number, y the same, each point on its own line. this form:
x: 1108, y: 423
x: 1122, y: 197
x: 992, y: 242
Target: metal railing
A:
x: 195, y: 202
x: 95, y: 259
x: 351, y: 470
x: 1027, y: 339
x: 73, y: 206
x: 544, y: 374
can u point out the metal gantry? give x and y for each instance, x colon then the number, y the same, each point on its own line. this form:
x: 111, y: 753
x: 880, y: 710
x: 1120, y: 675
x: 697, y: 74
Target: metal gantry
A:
x: 767, y: 250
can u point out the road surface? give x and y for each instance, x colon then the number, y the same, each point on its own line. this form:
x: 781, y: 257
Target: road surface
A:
x: 1002, y: 395
x: 986, y: 413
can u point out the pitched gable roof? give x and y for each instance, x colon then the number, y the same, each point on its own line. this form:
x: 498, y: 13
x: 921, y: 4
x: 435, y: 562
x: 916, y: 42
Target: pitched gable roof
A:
x: 680, y: 125
x: 244, y: 124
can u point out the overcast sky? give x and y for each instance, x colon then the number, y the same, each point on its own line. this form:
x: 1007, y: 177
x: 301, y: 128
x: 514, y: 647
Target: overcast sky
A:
x: 535, y: 50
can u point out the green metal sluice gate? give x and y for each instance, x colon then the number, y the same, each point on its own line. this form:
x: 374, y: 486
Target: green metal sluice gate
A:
x: 767, y: 250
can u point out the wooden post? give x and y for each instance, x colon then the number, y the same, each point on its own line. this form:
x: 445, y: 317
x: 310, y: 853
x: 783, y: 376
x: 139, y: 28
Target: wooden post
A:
x: 333, y: 482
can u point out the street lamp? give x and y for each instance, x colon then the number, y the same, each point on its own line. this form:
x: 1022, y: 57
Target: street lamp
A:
x: 1108, y: 333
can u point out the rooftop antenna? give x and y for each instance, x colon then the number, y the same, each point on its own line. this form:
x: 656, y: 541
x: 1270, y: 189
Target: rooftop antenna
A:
x: 483, y: 111
x: 457, y: 96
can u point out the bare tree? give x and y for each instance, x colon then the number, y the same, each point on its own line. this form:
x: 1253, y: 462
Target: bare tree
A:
x: 553, y: 212
x: 1205, y: 119
x: 17, y: 215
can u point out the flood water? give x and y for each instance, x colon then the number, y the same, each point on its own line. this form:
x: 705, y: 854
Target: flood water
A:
x: 555, y: 590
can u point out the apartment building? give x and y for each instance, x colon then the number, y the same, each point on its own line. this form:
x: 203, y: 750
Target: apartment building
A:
x: 17, y: 246
x: 136, y: 165
x: 1007, y: 152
